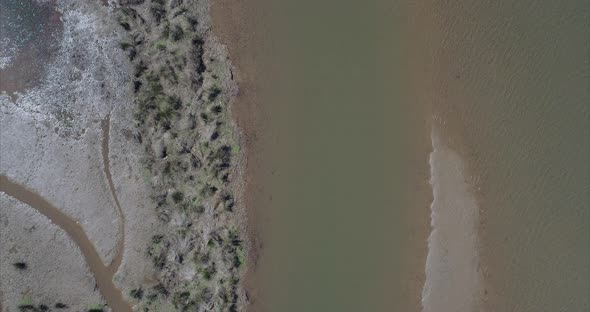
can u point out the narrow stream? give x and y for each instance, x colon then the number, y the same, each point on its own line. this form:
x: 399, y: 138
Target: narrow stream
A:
x: 116, y: 263
x: 102, y: 274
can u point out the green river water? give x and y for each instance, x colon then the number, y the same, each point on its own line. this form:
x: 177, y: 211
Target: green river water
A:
x: 349, y: 90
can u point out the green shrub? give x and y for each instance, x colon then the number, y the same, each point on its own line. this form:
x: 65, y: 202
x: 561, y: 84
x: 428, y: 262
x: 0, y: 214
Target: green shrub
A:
x: 214, y: 93
x: 161, y: 46
x: 136, y: 293
x: 124, y: 45
x: 177, y: 33
x: 96, y: 308
x: 208, y: 273
x: 240, y: 256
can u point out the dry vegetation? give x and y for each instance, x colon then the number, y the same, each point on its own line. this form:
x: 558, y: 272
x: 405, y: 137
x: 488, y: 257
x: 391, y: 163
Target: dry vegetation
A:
x: 190, y: 143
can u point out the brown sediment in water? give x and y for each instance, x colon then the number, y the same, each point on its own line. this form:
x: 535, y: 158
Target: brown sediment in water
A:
x: 509, y: 98
x: 438, y: 82
x: 233, y: 23
x: 450, y: 103
x: 116, y: 262
x: 101, y: 273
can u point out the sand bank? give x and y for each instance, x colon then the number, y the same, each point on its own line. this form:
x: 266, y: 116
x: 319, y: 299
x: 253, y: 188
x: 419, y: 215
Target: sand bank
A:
x: 453, y: 278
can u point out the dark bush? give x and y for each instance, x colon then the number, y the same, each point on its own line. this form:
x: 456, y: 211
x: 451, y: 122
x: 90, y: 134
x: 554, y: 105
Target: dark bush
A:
x: 20, y: 265
x: 131, y: 2
x: 193, y: 22
x: 132, y: 53
x: 60, y: 305
x: 217, y: 109
x: 26, y: 307
x: 139, y: 69
x: 208, y: 190
x: 177, y: 33
x: 175, y: 102
x: 125, y: 26
x: 205, y: 117
x: 124, y: 45
x: 136, y: 85
x: 136, y: 293
x: 158, y: 12
x: 177, y: 196
x: 214, y: 93
x: 228, y: 202
x: 160, y: 289
x: 208, y: 273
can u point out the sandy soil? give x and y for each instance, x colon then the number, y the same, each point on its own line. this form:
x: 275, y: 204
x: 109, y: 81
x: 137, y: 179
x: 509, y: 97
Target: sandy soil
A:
x: 50, y: 141
x: 25, y: 235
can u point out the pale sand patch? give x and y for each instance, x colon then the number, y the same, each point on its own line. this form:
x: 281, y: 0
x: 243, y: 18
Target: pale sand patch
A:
x: 453, y: 279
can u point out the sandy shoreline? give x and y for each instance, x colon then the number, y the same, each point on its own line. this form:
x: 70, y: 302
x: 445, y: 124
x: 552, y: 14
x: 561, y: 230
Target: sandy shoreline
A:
x: 232, y: 23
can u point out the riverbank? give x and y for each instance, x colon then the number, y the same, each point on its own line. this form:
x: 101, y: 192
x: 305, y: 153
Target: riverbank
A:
x: 184, y: 89
x: 233, y: 22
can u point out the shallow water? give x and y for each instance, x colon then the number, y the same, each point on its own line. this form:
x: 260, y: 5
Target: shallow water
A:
x: 29, y: 30
x: 338, y: 155
x: 340, y: 93
x: 512, y: 90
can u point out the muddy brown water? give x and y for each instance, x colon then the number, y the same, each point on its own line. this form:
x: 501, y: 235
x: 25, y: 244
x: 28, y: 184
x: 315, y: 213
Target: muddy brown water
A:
x: 102, y: 274
x: 337, y: 152
x: 511, y: 87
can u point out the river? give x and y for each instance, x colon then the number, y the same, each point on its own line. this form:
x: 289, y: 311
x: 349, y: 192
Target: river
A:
x: 337, y: 153
x: 338, y: 100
